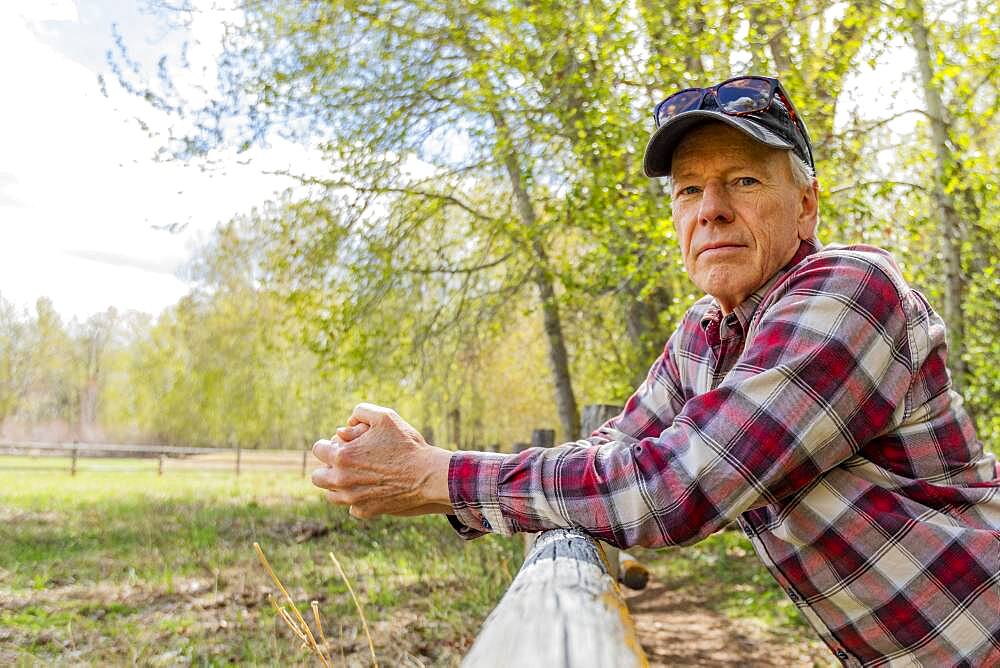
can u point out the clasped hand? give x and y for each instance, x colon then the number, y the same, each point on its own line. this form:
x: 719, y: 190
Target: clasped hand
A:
x: 379, y: 464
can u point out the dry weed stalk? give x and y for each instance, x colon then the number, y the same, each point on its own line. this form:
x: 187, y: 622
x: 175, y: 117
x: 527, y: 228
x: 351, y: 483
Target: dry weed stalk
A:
x: 314, y: 606
x: 361, y: 613
x: 298, y: 625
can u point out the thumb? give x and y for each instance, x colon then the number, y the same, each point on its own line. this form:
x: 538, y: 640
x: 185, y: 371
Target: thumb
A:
x: 368, y: 414
x: 347, y: 434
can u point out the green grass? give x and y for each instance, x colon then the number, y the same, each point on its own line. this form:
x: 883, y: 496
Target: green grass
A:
x: 132, y: 567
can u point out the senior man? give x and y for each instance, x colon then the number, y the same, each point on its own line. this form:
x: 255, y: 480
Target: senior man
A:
x: 806, y: 397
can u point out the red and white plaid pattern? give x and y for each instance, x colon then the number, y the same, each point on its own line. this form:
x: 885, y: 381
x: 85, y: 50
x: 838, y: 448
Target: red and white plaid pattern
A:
x: 819, y: 415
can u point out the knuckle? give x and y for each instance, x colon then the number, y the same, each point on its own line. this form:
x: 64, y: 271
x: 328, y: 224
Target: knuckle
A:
x: 326, y: 477
x: 335, y: 477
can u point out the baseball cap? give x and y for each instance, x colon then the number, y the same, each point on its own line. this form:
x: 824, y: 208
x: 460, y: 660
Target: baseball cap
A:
x: 775, y: 125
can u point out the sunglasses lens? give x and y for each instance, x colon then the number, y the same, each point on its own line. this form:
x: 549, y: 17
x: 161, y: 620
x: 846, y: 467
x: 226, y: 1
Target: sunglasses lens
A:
x: 744, y: 95
x: 686, y: 100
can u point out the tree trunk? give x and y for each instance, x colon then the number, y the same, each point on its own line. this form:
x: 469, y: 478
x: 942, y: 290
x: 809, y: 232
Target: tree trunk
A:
x: 455, y: 428
x: 642, y: 324
x: 569, y: 416
x: 950, y: 223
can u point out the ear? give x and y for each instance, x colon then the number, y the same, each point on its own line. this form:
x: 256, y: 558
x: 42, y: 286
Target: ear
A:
x: 808, y: 211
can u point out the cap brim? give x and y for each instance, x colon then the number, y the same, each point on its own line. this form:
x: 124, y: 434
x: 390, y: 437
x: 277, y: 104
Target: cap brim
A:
x: 660, y: 149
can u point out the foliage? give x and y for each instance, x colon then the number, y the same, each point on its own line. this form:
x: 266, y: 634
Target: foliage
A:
x: 483, y: 212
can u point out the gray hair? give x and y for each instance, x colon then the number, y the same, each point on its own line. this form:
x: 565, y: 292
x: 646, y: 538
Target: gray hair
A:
x: 802, y: 173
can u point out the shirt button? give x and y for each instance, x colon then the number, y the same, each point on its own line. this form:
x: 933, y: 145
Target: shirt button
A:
x: 841, y: 654
x: 792, y: 595
x: 748, y: 530
x: 486, y: 523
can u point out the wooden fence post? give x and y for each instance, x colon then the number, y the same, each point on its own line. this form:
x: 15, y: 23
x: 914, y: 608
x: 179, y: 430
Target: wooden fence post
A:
x: 305, y: 456
x: 540, y: 438
x: 72, y: 466
x: 624, y: 566
x: 594, y: 415
x: 239, y: 452
x: 159, y: 468
x: 563, y: 610
x: 543, y: 438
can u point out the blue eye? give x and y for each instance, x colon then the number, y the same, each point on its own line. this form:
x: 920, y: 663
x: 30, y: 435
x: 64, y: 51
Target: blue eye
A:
x: 689, y: 190
x: 747, y: 181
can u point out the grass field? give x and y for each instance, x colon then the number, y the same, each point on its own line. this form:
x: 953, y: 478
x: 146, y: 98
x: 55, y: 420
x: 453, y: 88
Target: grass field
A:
x: 128, y: 567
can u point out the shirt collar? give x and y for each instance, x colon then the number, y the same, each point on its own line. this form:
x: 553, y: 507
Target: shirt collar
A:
x: 745, y: 310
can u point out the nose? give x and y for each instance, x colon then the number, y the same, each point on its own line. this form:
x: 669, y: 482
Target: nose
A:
x: 715, y: 204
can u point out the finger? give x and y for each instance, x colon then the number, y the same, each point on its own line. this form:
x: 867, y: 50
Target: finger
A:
x: 362, y: 513
x: 327, y: 477
x: 367, y: 413
x: 354, y: 419
x: 347, y: 434
x: 338, y: 497
x: 325, y: 450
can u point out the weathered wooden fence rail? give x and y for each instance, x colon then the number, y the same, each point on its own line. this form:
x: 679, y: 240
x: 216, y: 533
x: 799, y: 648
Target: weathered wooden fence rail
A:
x: 168, y: 457
x: 563, y: 609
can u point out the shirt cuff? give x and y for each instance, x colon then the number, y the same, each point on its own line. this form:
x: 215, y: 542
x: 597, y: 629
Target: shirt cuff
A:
x: 474, y: 490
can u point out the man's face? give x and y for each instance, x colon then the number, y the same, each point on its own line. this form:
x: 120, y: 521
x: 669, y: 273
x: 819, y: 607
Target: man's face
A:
x: 738, y: 212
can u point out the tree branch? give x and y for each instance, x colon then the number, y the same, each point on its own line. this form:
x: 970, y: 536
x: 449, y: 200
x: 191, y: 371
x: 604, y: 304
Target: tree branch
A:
x: 889, y: 119
x: 865, y: 184
x: 460, y: 270
x: 393, y: 190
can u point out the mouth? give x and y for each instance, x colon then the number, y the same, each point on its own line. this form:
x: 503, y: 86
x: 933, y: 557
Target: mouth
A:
x: 719, y: 248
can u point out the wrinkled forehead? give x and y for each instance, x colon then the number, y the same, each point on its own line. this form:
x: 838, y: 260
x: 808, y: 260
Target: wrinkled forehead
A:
x: 713, y: 143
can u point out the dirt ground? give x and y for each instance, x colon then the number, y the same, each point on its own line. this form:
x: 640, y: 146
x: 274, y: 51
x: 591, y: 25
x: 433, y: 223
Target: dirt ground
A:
x: 677, y: 628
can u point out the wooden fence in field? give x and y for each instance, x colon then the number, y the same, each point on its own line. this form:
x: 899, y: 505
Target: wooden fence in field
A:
x: 564, y: 607
x: 123, y: 457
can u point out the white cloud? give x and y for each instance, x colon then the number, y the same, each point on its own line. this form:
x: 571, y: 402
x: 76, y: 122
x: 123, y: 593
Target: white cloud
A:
x: 78, y: 180
x: 47, y: 10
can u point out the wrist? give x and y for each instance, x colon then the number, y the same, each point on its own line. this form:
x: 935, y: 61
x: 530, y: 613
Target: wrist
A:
x: 436, y: 486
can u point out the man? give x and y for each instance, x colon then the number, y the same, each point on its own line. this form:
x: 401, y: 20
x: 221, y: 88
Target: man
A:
x: 806, y: 397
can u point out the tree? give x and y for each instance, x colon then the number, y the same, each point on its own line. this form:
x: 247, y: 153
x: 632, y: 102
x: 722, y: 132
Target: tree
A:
x: 15, y: 358
x: 487, y: 154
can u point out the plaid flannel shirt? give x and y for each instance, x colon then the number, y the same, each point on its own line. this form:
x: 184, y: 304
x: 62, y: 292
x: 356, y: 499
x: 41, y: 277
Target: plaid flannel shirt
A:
x: 819, y: 415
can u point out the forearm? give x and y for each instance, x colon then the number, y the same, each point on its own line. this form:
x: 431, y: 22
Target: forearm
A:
x: 626, y: 494
x: 816, y: 381
x: 437, y: 499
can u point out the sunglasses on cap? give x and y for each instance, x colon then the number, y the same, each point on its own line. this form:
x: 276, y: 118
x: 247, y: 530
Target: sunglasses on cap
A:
x: 739, y: 96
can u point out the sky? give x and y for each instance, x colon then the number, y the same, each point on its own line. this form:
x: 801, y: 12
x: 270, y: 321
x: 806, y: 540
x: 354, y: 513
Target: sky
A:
x: 84, y: 207
x: 81, y: 196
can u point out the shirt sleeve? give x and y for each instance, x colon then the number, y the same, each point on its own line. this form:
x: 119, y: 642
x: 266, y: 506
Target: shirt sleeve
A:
x: 824, y: 371
x: 651, y: 408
